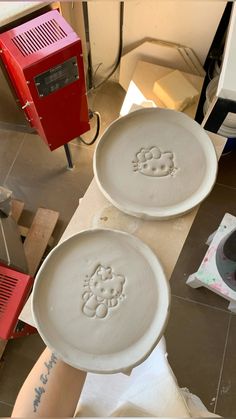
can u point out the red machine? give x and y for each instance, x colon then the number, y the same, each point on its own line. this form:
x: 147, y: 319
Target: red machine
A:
x: 44, y: 61
x: 14, y: 290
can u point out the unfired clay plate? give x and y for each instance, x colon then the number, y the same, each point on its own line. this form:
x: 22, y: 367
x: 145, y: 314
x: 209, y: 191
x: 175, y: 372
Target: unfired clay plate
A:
x: 101, y: 301
x: 155, y: 163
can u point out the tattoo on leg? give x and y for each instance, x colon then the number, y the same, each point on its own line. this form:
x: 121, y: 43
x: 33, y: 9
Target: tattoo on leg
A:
x: 38, y: 394
x: 44, y: 379
x: 50, y: 363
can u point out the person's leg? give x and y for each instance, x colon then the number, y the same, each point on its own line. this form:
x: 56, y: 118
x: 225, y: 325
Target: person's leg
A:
x: 52, y: 388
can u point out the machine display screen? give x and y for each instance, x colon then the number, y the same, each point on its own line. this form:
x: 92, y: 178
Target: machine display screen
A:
x: 57, y: 77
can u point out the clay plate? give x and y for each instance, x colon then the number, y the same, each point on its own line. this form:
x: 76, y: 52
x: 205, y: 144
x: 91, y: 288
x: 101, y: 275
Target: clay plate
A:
x: 155, y: 163
x: 101, y: 301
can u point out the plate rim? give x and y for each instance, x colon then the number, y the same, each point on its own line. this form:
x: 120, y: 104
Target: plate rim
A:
x: 162, y: 213
x: 164, y: 281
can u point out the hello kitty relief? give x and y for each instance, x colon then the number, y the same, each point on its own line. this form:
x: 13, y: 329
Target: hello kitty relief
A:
x: 103, y: 292
x: 154, y: 162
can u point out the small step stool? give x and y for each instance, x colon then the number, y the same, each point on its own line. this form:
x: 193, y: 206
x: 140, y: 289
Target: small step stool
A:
x: 37, y: 238
x: 216, y: 272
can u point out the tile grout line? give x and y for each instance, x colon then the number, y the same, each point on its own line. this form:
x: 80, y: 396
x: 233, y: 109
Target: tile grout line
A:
x: 202, y: 304
x: 224, y: 185
x: 6, y: 403
x: 17, y: 154
x: 222, y: 364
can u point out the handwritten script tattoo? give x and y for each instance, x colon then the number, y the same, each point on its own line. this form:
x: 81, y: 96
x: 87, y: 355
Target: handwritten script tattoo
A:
x: 44, y: 379
x: 38, y: 394
x: 50, y: 364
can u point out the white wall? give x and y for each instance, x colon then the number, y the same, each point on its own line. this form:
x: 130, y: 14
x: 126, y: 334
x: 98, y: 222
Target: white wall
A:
x: 72, y: 11
x: 192, y: 23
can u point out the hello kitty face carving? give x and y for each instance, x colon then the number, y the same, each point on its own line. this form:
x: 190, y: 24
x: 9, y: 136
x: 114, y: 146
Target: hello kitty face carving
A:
x: 153, y: 162
x: 103, y: 291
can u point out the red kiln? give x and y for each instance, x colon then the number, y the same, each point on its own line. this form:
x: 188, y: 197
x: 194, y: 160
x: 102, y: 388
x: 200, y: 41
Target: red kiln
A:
x: 44, y: 61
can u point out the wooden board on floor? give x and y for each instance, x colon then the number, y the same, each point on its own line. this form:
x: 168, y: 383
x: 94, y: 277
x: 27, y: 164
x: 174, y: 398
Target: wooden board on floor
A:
x: 38, y: 237
x: 24, y: 231
x: 3, y: 344
x: 17, y: 207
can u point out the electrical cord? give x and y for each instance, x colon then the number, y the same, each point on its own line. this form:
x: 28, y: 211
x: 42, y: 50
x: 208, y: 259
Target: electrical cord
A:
x: 97, y: 114
x: 119, y: 51
x: 98, y: 120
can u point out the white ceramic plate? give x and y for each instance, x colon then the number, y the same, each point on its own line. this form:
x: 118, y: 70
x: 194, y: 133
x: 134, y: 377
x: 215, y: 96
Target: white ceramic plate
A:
x: 101, y: 301
x: 155, y: 163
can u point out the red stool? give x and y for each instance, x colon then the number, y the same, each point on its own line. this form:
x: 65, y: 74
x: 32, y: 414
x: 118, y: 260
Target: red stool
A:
x: 14, y: 290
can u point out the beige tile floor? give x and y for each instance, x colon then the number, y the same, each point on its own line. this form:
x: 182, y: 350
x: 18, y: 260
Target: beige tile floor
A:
x: 200, y: 335
x: 41, y: 178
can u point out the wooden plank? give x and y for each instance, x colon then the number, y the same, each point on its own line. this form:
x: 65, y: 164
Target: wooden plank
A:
x: 24, y: 231
x: 16, y: 209
x: 3, y: 344
x: 38, y: 237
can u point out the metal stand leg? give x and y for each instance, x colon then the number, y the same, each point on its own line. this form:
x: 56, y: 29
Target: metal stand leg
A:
x: 193, y: 282
x: 68, y: 156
